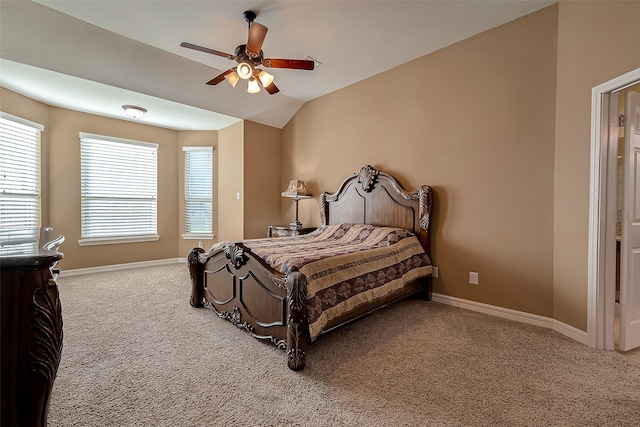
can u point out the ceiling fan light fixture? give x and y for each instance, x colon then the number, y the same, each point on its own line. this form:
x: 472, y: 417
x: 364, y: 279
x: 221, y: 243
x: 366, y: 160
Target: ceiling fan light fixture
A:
x: 265, y: 78
x: 244, y: 70
x: 232, y: 78
x: 253, y: 86
x: 249, y: 56
x: 134, y: 111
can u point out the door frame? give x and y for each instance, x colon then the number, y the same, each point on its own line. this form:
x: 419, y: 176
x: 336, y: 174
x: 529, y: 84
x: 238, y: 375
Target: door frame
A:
x: 602, y: 206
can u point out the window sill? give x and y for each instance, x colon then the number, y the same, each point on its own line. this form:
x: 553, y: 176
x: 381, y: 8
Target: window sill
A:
x: 117, y: 240
x: 196, y: 236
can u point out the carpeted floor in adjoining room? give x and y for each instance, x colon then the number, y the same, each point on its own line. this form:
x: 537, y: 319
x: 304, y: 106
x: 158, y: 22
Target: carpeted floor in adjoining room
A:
x: 137, y: 354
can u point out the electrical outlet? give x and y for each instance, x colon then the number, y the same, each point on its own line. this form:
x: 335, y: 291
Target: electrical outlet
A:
x: 473, y: 278
x: 434, y: 272
x: 201, y: 244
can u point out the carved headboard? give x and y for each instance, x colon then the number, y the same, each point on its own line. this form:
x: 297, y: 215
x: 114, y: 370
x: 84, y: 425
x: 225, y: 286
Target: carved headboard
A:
x: 374, y: 197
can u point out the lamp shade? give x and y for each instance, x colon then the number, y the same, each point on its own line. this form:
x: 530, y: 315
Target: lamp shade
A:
x: 296, y: 190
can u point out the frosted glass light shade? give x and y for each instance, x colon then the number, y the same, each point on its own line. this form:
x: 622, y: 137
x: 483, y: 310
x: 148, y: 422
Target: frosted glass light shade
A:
x: 265, y: 78
x: 232, y: 78
x: 253, y: 87
x: 244, y: 70
x: 133, y: 111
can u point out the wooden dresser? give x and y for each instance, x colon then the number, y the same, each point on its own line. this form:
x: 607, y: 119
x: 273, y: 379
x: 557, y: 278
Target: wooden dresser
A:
x: 31, y: 325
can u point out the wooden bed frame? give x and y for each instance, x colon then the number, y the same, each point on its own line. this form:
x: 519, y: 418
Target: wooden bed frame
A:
x: 240, y: 287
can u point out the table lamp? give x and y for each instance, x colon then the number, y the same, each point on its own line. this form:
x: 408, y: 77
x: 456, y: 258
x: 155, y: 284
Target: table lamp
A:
x: 296, y: 190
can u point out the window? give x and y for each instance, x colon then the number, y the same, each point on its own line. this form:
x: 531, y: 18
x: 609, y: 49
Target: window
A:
x: 118, y: 190
x: 19, y: 184
x: 198, y: 192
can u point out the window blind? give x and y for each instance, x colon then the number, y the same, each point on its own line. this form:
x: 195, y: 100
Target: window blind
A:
x: 118, y: 189
x: 19, y: 185
x: 198, y: 203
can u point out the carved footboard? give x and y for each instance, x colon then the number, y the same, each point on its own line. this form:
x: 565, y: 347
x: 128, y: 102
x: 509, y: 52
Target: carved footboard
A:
x: 243, y: 289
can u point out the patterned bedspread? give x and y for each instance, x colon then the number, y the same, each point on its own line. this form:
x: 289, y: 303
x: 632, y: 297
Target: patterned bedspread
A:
x: 346, y: 265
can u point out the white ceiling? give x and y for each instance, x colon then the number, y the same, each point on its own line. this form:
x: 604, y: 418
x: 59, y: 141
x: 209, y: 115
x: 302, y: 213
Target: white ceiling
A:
x: 95, y: 56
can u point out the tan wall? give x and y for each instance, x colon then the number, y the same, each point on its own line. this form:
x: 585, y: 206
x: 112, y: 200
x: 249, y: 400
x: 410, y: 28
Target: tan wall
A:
x: 64, y: 191
x: 261, y: 178
x: 61, y: 180
x: 597, y: 42
x: 230, y: 183
x: 195, y: 139
x: 476, y: 121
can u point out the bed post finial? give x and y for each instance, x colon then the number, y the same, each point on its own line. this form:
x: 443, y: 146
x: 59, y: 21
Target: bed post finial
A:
x: 323, y: 209
x: 425, y: 197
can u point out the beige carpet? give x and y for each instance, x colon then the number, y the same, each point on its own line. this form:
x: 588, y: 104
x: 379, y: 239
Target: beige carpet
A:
x: 136, y: 354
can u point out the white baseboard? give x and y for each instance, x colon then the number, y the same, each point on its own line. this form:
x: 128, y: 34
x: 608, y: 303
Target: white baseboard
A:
x: 519, y: 316
x: 115, y: 267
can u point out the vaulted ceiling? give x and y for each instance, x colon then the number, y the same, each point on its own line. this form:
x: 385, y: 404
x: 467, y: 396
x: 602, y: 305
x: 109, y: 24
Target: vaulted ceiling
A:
x: 95, y: 56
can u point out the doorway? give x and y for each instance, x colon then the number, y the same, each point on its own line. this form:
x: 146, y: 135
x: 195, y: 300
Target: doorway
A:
x: 603, y: 211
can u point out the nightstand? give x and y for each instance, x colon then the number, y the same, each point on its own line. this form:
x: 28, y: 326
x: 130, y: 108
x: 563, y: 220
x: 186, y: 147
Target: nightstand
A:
x: 287, y: 231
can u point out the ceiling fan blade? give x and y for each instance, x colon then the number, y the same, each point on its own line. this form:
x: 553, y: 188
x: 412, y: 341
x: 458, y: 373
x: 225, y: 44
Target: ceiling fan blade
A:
x: 207, y: 50
x: 297, y: 64
x: 257, y: 33
x: 220, y: 77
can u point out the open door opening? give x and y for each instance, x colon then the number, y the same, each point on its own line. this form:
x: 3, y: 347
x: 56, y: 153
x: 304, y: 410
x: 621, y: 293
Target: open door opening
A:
x: 605, y: 227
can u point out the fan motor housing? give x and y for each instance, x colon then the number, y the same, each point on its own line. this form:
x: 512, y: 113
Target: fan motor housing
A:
x: 242, y: 56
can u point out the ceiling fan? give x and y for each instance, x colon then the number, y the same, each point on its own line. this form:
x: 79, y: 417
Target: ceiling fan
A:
x: 249, y: 57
